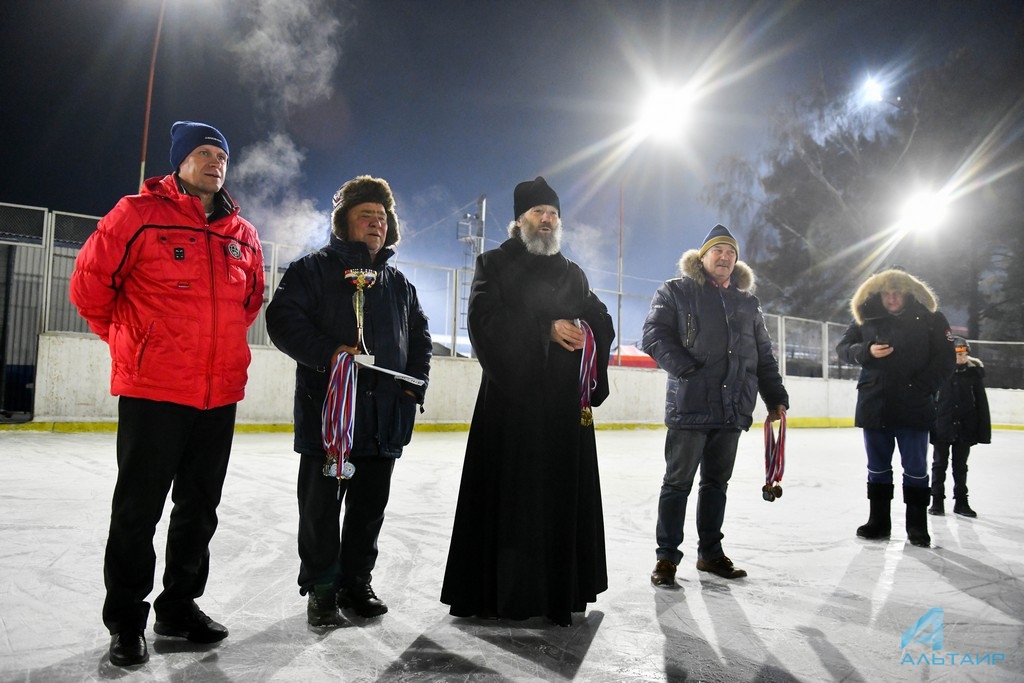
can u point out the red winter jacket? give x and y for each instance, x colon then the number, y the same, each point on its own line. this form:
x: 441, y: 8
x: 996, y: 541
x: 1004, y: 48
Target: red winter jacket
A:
x: 172, y: 295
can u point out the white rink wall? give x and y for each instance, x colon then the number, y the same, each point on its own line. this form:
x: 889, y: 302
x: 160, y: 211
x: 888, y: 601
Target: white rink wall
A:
x: 73, y: 385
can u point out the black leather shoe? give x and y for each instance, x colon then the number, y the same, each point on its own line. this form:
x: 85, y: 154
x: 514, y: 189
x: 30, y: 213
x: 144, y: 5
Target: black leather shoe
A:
x: 361, y: 598
x: 194, y: 625
x: 722, y: 566
x: 664, y: 574
x: 128, y: 648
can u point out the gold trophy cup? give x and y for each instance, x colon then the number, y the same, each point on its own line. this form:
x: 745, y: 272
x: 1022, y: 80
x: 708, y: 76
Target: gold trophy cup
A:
x: 363, y: 279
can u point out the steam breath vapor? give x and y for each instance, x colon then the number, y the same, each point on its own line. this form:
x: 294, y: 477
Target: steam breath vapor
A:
x: 291, y: 51
x: 268, y: 174
x: 590, y: 245
x: 288, y: 55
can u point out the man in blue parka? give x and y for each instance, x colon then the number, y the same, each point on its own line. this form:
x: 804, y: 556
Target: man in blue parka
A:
x: 706, y: 330
x: 313, y: 318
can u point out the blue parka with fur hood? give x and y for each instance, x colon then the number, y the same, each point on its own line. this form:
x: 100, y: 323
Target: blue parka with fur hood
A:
x: 897, y: 391
x: 713, y: 343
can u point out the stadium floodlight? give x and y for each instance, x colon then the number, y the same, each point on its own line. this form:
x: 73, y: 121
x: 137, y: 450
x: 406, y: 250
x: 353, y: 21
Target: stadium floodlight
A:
x: 923, y: 211
x: 873, y: 90
x: 665, y: 113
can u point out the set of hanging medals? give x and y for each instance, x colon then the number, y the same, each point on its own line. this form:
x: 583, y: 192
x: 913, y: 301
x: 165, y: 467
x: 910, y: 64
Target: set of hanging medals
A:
x: 339, y: 405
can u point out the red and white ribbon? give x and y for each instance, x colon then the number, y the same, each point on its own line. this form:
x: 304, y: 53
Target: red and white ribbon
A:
x: 774, y: 452
x: 588, y: 366
x: 339, y: 412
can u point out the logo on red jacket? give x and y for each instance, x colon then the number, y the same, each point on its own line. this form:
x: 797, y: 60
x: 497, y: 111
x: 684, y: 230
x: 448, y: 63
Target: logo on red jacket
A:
x: 234, y: 250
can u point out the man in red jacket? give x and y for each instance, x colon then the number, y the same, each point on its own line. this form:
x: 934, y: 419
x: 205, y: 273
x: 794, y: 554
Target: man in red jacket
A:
x: 171, y: 280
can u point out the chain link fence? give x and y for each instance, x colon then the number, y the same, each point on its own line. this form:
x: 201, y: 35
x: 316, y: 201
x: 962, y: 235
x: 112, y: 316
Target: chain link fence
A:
x: 37, y: 255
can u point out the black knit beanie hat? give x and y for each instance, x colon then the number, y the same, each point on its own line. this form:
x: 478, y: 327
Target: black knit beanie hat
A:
x: 531, y: 193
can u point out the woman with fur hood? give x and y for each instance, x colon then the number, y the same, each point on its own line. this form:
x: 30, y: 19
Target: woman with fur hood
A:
x: 904, y: 347
x: 963, y: 420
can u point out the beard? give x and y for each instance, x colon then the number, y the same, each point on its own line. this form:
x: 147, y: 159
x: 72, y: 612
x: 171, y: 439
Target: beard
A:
x: 543, y: 245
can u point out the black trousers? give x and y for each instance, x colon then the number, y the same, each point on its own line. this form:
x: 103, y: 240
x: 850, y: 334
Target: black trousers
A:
x: 331, y: 551
x: 160, y: 444
x: 940, y: 463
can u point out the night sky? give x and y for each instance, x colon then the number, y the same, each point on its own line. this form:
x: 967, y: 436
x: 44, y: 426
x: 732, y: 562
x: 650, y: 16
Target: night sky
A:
x: 447, y: 100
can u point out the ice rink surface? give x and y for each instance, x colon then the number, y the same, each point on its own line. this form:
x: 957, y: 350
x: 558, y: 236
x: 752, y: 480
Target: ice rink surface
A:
x: 819, y: 603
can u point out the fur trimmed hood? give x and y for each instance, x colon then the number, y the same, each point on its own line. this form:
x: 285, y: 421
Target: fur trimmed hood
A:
x: 867, y: 300
x: 691, y: 266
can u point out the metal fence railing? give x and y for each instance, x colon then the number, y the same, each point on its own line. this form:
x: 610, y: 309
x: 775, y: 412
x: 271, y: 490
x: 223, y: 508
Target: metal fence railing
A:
x: 38, y: 249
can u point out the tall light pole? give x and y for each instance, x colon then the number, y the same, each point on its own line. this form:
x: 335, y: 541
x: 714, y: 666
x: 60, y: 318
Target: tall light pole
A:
x: 663, y: 115
x: 618, y: 321
x: 149, y: 93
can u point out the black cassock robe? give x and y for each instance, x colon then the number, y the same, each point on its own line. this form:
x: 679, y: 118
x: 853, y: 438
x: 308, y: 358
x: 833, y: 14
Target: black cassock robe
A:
x: 528, y: 538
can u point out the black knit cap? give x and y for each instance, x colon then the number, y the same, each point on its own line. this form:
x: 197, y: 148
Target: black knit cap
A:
x: 531, y: 193
x: 719, y: 235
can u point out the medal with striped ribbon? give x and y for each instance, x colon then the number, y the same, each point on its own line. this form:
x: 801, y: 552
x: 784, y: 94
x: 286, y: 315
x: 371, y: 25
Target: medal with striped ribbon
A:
x: 774, y: 459
x: 338, y: 419
x: 588, y: 374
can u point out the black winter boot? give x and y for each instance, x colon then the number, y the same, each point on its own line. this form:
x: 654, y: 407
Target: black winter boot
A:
x: 917, y: 517
x: 962, y: 508
x: 322, y: 607
x: 879, y: 521
x: 938, y: 505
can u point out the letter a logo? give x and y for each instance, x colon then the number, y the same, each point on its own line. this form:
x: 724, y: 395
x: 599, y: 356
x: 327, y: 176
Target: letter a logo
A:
x: 928, y: 629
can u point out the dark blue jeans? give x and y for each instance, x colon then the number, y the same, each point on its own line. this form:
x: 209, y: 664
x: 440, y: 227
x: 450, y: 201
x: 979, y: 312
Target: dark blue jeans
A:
x: 714, y: 451
x: 913, y: 443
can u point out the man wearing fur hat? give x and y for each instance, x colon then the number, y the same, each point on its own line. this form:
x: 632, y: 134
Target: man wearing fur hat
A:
x: 171, y: 280
x: 314, y: 318
x: 528, y: 538
x: 707, y: 331
x: 962, y: 421
x: 904, y: 347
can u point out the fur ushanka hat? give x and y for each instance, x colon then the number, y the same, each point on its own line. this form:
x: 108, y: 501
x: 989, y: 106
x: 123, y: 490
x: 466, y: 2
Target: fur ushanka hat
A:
x: 360, y: 190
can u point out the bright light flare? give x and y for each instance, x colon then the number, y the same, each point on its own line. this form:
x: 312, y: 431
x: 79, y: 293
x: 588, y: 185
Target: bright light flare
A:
x: 665, y: 113
x: 873, y: 90
x: 924, y: 211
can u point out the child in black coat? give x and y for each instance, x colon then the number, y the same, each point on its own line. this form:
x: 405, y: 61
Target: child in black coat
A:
x: 962, y: 421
